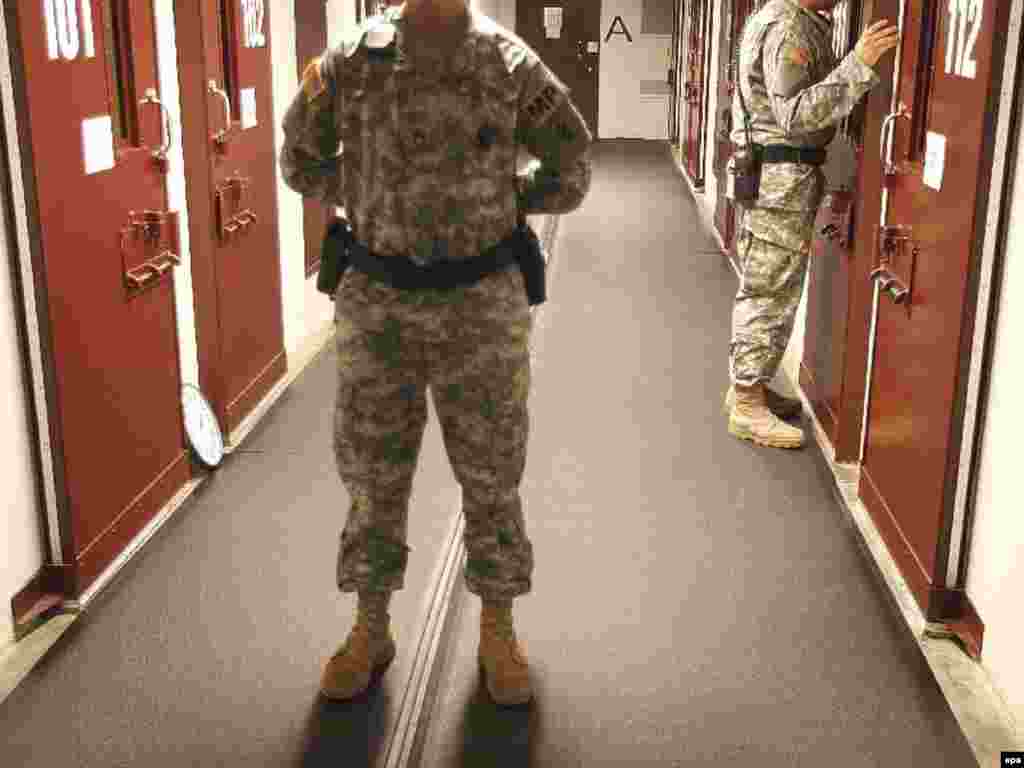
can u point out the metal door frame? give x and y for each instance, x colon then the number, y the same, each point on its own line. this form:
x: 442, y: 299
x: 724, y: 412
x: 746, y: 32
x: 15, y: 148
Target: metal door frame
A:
x: 33, y: 317
x: 983, y: 292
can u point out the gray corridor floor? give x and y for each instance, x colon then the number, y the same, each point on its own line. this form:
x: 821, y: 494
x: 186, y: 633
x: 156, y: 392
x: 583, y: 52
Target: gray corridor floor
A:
x: 695, y: 600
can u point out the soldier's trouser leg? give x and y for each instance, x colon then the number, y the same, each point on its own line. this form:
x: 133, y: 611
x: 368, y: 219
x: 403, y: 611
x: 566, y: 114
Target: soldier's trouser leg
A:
x: 773, y: 248
x: 480, y: 380
x: 380, y: 416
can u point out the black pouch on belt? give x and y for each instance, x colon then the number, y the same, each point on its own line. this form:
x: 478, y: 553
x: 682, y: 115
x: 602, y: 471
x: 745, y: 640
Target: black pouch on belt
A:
x: 334, y: 256
x: 743, y: 174
x: 532, y: 265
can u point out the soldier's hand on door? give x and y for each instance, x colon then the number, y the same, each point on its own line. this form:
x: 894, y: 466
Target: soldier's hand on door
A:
x: 877, y: 40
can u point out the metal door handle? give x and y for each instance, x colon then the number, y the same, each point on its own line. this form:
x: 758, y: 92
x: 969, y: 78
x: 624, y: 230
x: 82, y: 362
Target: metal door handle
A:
x: 152, y: 98
x: 221, y: 136
x: 885, y: 138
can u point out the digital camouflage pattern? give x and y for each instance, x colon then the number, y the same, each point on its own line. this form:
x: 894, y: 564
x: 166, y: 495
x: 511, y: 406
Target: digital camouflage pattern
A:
x: 471, y: 346
x: 428, y: 169
x: 796, y: 95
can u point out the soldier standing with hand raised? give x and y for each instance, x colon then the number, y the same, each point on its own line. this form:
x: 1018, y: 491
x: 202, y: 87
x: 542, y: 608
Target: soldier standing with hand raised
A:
x: 429, y: 103
x: 794, y: 94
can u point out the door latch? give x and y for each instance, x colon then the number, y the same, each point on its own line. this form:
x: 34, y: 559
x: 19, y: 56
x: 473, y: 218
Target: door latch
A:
x: 149, y: 248
x: 233, y: 212
x: 160, y: 155
x: 220, y: 139
x: 890, y: 168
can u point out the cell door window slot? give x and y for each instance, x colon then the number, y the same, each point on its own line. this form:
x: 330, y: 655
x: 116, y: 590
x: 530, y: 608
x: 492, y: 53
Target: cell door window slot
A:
x: 227, y: 15
x: 120, y: 72
x: 924, y: 79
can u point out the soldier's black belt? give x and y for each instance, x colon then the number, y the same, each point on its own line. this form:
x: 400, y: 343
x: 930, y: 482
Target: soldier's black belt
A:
x: 773, y: 153
x: 522, y: 247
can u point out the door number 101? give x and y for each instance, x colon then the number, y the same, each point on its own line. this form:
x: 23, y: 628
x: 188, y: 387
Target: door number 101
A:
x: 964, y: 27
x: 69, y: 28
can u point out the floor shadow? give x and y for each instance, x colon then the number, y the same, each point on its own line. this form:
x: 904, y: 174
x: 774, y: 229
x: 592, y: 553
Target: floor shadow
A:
x: 351, y: 733
x: 498, y: 737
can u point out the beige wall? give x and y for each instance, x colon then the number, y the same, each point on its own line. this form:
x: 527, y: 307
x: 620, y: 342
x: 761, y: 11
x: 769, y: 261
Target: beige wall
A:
x: 306, y: 311
x: 624, y: 112
x: 21, y: 545
x: 502, y: 11
x: 996, y: 572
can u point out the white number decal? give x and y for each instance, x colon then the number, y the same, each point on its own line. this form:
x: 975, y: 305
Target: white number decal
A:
x: 965, y: 18
x: 252, y: 23
x: 65, y: 35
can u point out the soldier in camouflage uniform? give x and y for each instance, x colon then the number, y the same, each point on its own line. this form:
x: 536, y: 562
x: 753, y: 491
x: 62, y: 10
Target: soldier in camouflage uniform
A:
x: 795, y: 94
x: 429, y: 103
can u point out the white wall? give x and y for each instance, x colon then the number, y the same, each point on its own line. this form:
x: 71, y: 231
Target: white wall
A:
x: 306, y: 311
x: 713, y: 72
x: 623, y: 111
x: 995, y: 580
x: 21, y: 544
x: 502, y: 11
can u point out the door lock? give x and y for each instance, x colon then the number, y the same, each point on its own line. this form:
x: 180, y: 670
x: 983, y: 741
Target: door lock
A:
x: 891, y: 252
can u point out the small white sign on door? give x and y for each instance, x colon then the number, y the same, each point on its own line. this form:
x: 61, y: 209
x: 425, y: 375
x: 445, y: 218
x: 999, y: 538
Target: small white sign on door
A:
x: 98, y: 144
x: 248, y: 104
x: 553, y: 22
x: 934, y: 160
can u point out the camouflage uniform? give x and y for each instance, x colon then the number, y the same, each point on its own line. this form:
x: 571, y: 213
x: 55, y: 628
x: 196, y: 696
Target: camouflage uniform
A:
x: 427, y: 170
x: 796, y: 95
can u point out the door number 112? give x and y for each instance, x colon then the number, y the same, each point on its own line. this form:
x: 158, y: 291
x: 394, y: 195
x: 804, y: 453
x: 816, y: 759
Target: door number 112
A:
x: 964, y: 27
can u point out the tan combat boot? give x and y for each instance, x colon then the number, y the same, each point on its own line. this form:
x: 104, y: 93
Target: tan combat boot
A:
x: 782, y: 406
x: 505, y: 669
x: 750, y: 419
x: 369, y: 649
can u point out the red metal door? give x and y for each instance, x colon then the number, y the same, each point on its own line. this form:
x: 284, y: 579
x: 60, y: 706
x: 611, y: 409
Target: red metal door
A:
x: 829, y: 275
x: 734, y: 15
x: 942, y: 153
x: 695, y: 89
x: 574, y: 56
x: 107, y: 248
x: 310, y: 41
x: 228, y: 129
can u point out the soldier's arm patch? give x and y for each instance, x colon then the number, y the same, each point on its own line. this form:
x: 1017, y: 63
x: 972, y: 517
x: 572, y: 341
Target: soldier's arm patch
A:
x: 801, y: 57
x: 787, y: 66
x: 312, y: 80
